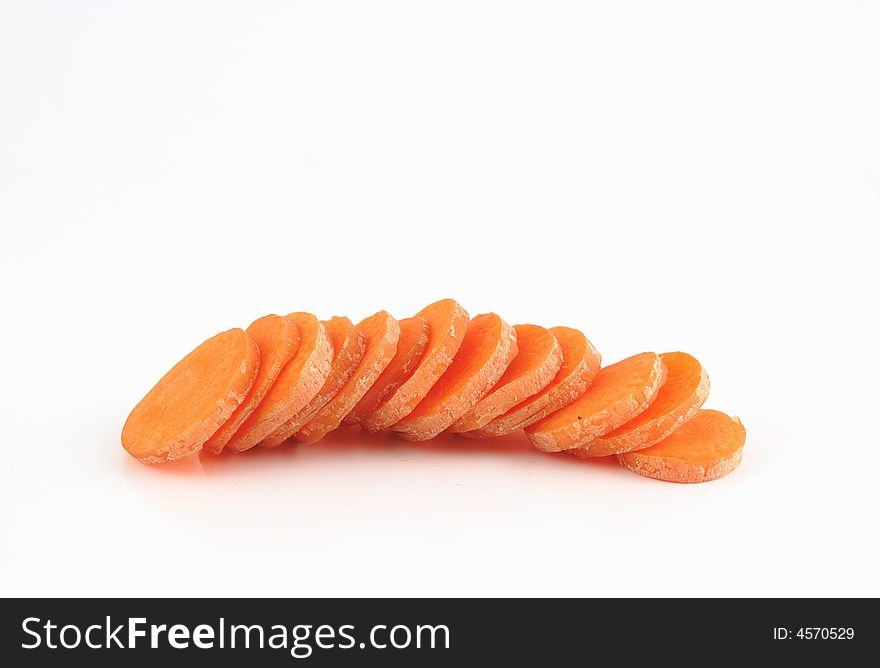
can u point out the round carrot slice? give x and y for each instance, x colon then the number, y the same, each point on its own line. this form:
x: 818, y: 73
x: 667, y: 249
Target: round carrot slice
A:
x: 580, y: 364
x: 296, y: 385
x: 617, y: 394
x: 381, y: 332
x: 277, y: 339
x: 705, y: 448
x: 685, y: 390
x: 414, y: 333
x: 488, y: 348
x: 348, y: 349
x: 538, y: 359
x: 448, y: 322
x: 192, y: 400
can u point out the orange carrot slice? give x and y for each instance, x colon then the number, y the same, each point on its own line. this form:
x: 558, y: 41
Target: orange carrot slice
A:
x: 685, y: 390
x: 705, y: 448
x: 296, y: 385
x: 192, y: 400
x: 538, y: 359
x: 277, y: 339
x: 414, y: 333
x: 580, y: 364
x: 381, y: 332
x: 488, y: 348
x: 617, y: 394
x: 348, y: 349
x: 448, y: 322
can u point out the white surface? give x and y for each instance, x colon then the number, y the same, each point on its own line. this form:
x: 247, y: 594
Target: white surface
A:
x: 697, y: 177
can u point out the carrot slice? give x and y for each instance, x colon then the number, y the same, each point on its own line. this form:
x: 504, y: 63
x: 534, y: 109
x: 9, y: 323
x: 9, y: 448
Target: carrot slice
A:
x: 685, y: 390
x: 192, y: 400
x: 538, y: 359
x: 617, y: 394
x: 277, y: 339
x: 705, y: 448
x: 488, y: 348
x: 414, y: 333
x: 348, y: 349
x: 381, y: 332
x: 296, y: 385
x: 580, y: 364
x: 448, y: 322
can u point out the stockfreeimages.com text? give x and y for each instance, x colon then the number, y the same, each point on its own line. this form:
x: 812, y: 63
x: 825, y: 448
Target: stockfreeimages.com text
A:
x: 300, y: 640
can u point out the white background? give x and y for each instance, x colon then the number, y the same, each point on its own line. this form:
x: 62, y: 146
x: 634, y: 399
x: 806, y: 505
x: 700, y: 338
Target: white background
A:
x: 695, y: 176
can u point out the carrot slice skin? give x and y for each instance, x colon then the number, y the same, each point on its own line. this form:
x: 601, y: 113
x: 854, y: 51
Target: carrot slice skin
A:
x: 538, y: 360
x: 277, y: 339
x: 705, y: 448
x: 296, y: 385
x: 381, y: 332
x: 193, y: 400
x: 488, y: 348
x: 580, y: 364
x: 679, y: 399
x: 414, y: 334
x: 617, y: 394
x: 448, y: 322
x: 349, y: 346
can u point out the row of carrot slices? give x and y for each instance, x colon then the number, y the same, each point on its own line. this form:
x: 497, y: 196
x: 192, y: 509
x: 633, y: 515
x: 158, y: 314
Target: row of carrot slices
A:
x: 295, y: 378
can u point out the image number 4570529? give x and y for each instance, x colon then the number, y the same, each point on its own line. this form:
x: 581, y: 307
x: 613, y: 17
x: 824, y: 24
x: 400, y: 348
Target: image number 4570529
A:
x: 814, y: 633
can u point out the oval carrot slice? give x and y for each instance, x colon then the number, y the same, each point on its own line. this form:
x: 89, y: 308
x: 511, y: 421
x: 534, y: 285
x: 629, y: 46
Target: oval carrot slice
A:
x: 617, y: 394
x: 679, y: 399
x: 448, y: 322
x: 580, y: 364
x: 705, y: 448
x: 488, y: 348
x: 414, y: 333
x: 538, y: 359
x: 296, y: 385
x: 276, y: 339
x: 192, y: 400
x: 348, y: 349
x: 381, y: 332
